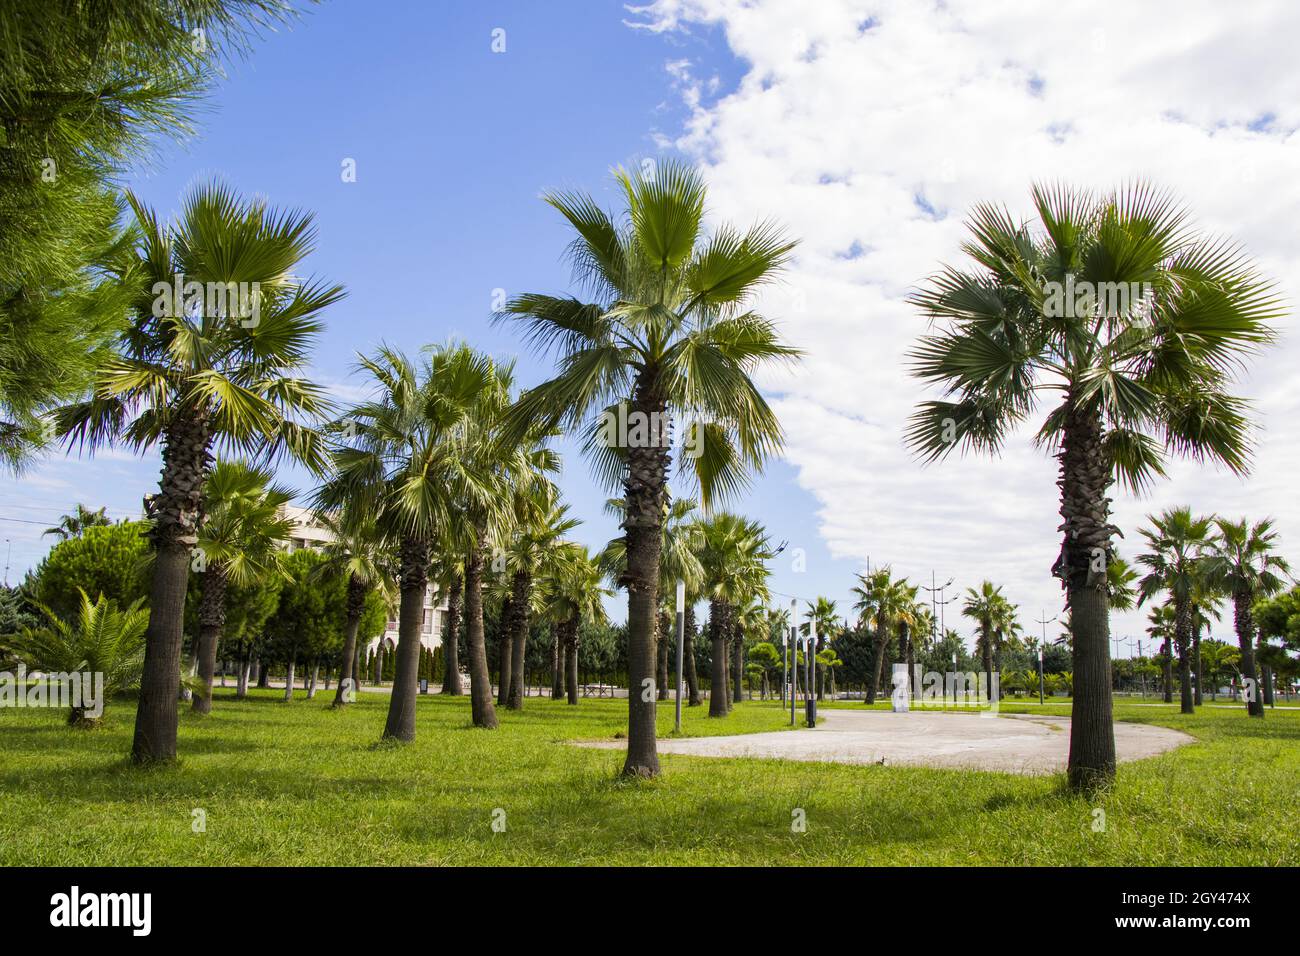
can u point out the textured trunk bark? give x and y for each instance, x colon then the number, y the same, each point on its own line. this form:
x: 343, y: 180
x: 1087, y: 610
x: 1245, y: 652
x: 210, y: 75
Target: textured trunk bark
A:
x: 986, y: 650
x: 1183, y: 637
x: 356, y: 602
x: 505, y: 650
x: 878, y: 660
x: 176, y: 512
x: 1086, y: 476
x: 212, y: 619
x: 557, y: 662
x: 522, y: 587
x: 646, y: 497
x: 737, y: 666
x: 571, y: 659
x: 1244, y: 623
x: 718, y: 650
x: 1198, y: 679
x: 414, y: 556
x: 688, y: 660
x: 451, y: 685
x: 1167, y: 672
x: 480, y: 681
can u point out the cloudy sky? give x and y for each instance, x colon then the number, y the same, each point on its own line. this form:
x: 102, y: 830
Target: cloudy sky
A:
x: 868, y: 129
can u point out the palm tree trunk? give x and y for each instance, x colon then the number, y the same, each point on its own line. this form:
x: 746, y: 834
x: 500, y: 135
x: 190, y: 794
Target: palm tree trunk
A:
x: 986, y: 650
x: 505, y: 649
x: 1196, y: 656
x: 557, y: 662
x: 878, y: 661
x: 1086, y: 476
x: 1167, y: 671
x: 356, y: 602
x: 569, y: 638
x: 1244, y: 622
x: 241, y: 685
x: 175, y: 510
x: 521, y: 589
x: 718, y: 646
x: 451, y: 640
x: 909, y: 645
x: 414, y: 556
x: 688, y: 660
x: 645, y: 496
x: 737, y: 666
x: 480, y: 681
x: 212, y: 619
x: 1183, y: 637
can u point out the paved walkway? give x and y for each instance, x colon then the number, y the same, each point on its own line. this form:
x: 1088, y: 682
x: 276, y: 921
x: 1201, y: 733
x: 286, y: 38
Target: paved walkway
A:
x: 1028, y: 744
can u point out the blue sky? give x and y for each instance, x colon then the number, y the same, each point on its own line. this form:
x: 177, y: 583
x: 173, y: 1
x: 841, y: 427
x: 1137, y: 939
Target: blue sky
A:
x: 452, y: 144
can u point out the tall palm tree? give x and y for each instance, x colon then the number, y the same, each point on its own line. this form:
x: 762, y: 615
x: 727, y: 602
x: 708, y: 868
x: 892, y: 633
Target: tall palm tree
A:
x: 1243, y: 563
x: 668, y: 336
x: 74, y: 525
x: 1137, y: 377
x: 395, y: 459
x: 359, y: 552
x: 1176, y: 540
x: 987, y: 607
x: 216, y: 373
x: 240, y: 540
x: 877, y: 594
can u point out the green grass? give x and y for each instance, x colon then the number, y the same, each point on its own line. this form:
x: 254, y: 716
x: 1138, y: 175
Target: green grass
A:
x: 301, y: 784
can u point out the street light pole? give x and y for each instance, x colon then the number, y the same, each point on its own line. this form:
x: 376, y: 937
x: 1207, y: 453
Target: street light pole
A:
x: 1044, y: 620
x: 810, y: 705
x: 681, y: 640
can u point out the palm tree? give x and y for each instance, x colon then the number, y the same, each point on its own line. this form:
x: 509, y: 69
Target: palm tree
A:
x: 240, y: 540
x: 395, y: 460
x: 448, y: 574
x: 1176, y: 539
x: 541, y: 525
x: 216, y: 372
x: 1161, y: 629
x: 1207, y: 606
x: 358, y: 552
x: 732, y: 551
x: 1243, y: 563
x: 75, y: 524
x: 1137, y: 377
x: 102, y: 640
x: 821, y: 613
x: 667, y: 338
x: 877, y: 596
x: 987, y: 607
x: 576, y: 594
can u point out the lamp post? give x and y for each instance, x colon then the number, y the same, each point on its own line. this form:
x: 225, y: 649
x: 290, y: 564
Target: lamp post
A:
x: 954, y: 679
x: 794, y: 657
x: 681, y: 639
x: 1040, y: 675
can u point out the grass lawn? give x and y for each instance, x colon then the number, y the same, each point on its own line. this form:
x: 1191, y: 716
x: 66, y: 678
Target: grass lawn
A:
x: 301, y: 784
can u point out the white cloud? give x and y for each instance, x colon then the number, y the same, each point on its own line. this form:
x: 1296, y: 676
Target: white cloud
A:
x: 870, y: 129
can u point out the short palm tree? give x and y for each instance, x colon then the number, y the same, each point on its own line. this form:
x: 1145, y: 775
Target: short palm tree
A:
x: 447, y: 571
x: 396, y: 457
x: 358, y: 552
x: 667, y: 336
x: 1176, y: 541
x: 207, y: 376
x: 1136, y: 377
x: 101, y: 640
x: 988, y: 608
x: 574, y: 585
x: 1243, y: 562
x: 877, y: 595
x: 244, y: 529
x: 1160, y: 626
x: 75, y: 524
